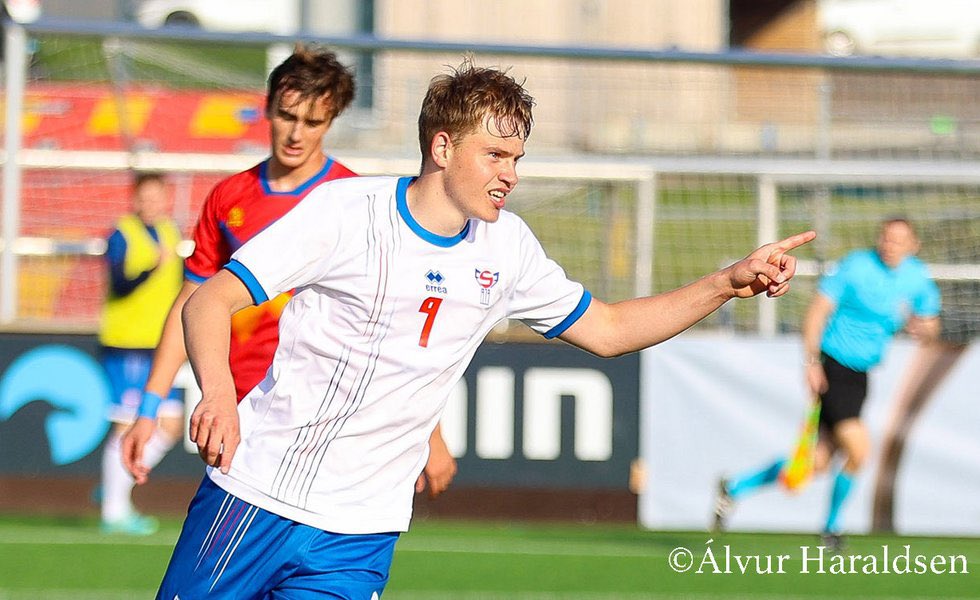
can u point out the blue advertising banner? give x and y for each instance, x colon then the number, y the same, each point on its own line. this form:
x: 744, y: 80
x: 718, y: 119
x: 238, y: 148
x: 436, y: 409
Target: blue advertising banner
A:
x: 524, y: 415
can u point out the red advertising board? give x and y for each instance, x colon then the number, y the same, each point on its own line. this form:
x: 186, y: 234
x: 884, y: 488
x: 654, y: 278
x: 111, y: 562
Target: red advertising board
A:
x: 98, y: 117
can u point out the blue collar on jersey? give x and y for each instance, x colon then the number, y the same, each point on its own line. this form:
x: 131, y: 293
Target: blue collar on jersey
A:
x: 264, y: 178
x: 422, y: 232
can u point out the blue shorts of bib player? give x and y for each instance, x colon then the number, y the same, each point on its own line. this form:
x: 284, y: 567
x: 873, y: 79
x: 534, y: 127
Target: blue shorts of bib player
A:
x: 230, y: 549
x: 127, y: 370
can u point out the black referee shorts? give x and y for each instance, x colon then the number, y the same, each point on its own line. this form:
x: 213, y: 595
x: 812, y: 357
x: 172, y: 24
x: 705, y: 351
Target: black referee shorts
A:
x: 846, y: 390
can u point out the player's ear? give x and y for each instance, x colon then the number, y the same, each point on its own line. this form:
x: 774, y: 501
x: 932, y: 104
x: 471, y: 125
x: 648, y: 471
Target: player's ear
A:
x: 441, y: 149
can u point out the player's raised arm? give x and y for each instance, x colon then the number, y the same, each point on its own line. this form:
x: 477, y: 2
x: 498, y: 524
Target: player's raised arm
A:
x: 631, y: 325
x: 768, y: 269
x: 207, y: 331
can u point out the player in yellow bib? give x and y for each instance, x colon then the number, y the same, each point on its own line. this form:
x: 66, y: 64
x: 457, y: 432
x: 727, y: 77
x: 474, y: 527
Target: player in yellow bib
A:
x: 145, y: 274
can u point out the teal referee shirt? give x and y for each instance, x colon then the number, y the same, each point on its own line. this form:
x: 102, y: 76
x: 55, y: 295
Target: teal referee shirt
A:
x: 873, y: 302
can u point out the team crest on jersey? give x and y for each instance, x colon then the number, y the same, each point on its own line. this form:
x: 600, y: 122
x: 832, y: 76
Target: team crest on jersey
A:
x: 436, y: 280
x: 236, y: 217
x: 486, y: 280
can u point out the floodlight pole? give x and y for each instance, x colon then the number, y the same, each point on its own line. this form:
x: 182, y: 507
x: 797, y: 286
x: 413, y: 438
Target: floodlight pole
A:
x: 304, y: 16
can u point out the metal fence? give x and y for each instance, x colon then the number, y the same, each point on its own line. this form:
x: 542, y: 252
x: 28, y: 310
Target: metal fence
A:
x: 646, y: 169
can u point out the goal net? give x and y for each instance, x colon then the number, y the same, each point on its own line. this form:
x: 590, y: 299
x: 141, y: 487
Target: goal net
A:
x: 641, y: 175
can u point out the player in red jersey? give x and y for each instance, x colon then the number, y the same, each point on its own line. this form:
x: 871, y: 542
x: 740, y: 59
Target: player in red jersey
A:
x: 306, y: 92
x: 236, y: 209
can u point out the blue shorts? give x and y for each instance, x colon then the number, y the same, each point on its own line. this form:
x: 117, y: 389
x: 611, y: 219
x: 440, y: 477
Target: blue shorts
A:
x: 231, y: 549
x: 128, y: 370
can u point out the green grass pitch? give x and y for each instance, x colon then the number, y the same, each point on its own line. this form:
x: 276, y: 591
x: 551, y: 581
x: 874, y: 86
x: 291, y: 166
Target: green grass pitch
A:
x: 44, y: 558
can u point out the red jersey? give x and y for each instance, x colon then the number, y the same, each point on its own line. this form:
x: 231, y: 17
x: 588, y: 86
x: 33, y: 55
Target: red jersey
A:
x: 236, y: 209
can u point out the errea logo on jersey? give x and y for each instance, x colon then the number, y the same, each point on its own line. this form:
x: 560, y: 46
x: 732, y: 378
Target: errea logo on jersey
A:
x: 435, y: 282
x: 486, y: 280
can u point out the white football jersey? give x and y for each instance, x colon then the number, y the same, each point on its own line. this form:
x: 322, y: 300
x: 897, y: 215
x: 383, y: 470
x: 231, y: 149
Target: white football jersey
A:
x: 385, y: 319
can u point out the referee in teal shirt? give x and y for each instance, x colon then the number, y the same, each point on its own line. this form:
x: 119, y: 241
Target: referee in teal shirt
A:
x: 859, y: 307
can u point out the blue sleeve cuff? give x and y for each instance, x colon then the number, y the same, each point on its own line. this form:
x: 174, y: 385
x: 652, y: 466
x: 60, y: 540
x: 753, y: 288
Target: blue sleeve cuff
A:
x: 580, y: 309
x: 149, y: 405
x: 193, y: 277
x: 251, y: 283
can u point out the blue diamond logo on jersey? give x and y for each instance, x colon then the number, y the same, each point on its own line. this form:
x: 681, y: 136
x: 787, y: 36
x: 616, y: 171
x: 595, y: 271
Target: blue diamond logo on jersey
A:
x: 486, y: 280
x: 435, y: 282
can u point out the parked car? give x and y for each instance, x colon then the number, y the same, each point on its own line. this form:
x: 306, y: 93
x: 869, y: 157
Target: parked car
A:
x: 275, y: 16
x: 933, y: 28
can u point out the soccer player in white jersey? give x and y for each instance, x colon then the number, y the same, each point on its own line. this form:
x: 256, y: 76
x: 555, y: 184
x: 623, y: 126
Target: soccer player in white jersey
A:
x: 397, y: 282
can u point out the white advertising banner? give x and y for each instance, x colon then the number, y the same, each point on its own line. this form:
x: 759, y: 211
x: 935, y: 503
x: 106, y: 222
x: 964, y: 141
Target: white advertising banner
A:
x: 714, y: 406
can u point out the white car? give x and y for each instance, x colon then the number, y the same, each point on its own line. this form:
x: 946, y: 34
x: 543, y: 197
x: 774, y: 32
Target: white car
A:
x: 272, y: 16
x: 22, y: 11
x: 932, y: 28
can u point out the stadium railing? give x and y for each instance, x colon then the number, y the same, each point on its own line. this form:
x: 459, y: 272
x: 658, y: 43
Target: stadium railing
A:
x: 646, y: 169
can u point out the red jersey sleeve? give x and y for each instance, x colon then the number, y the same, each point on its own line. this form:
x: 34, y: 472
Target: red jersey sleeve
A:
x: 211, y: 250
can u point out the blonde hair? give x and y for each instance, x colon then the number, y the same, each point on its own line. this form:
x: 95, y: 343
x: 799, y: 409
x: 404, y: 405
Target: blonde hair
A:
x: 458, y: 102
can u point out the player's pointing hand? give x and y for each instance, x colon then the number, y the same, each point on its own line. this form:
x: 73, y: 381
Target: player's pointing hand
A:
x: 768, y: 269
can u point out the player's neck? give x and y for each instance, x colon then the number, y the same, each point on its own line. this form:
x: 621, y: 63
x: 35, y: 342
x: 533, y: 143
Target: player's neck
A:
x: 285, y: 179
x: 430, y: 205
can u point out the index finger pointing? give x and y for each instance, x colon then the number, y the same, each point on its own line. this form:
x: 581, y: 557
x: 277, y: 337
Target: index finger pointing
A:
x: 795, y: 241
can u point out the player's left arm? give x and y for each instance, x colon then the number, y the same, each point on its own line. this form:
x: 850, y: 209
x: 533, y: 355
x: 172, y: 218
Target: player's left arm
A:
x: 440, y: 467
x: 623, y: 327
x: 214, y: 425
